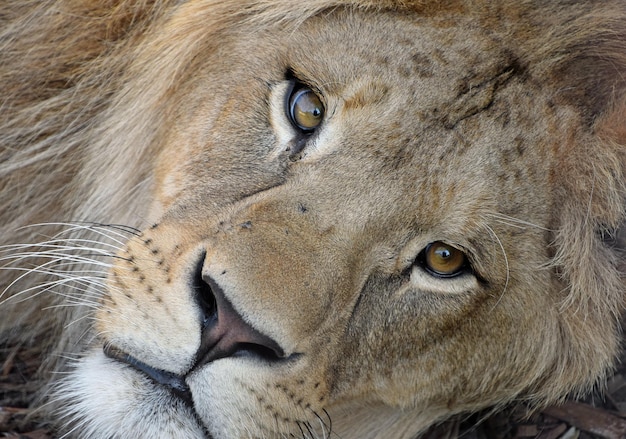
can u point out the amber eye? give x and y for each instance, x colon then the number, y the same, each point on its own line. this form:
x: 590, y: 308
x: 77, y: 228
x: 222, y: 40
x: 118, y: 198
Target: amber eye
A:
x: 444, y: 260
x: 306, y: 110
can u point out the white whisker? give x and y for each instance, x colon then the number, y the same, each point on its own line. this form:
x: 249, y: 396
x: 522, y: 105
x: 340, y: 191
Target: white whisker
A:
x: 506, y: 261
x: 43, y: 288
x: 78, y: 244
x: 514, y: 222
x: 45, y: 270
x: 75, y: 266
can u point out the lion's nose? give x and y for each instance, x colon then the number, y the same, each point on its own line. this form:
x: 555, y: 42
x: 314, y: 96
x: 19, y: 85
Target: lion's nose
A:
x: 225, y: 333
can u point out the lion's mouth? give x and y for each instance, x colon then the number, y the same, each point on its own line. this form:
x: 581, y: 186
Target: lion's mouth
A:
x: 174, y: 383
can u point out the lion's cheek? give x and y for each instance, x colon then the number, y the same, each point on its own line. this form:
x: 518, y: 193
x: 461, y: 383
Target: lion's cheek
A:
x: 229, y: 393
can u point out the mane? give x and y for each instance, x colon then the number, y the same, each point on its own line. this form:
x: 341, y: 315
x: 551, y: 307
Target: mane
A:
x: 87, y: 87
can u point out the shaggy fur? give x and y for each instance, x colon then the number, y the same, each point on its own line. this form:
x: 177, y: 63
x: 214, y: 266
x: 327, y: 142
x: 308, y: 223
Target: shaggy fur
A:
x: 118, y: 117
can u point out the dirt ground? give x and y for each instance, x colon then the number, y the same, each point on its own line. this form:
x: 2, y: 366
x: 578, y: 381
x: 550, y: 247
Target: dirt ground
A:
x: 602, y: 416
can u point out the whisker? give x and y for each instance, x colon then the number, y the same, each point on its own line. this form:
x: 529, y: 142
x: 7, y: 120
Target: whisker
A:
x: 128, y: 230
x: 39, y: 289
x: 84, y: 225
x: 58, y: 243
x: 86, y: 290
x: 506, y: 261
x: 72, y: 304
x: 46, y: 268
x: 322, y: 425
x: 298, y: 423
x: 61, y: 257
x: 514, y: 222
x: 327, y: 426
x: 77, y: 320
x: 309, y: 429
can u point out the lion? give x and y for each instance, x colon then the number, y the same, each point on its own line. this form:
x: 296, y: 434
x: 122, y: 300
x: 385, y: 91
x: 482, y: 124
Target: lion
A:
x: 341, y: 218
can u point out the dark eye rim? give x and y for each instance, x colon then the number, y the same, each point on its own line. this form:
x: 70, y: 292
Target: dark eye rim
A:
x: 295, y: 87
x: 462, y: 270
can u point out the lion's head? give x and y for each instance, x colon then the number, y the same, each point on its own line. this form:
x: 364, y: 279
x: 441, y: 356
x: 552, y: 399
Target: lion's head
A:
x: 364, y: 216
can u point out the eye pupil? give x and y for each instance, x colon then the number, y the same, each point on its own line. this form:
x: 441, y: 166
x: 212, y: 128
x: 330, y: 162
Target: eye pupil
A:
x: 443, y: 253
x: 444, y: 260
x: 306, y: 110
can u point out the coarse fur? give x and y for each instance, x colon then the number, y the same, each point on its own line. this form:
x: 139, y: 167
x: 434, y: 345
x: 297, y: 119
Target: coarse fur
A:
x: 163, y: 217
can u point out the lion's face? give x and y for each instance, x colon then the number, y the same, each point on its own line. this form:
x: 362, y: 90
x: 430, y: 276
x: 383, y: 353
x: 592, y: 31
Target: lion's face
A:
x: 351, y: 226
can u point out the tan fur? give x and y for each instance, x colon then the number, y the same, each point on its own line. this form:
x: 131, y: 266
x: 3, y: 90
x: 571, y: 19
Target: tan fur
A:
x: 145, y: 144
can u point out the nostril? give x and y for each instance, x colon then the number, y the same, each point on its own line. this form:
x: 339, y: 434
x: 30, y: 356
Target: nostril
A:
x: 229, y: 335
x: 204, y: 295
x: 225, y: 333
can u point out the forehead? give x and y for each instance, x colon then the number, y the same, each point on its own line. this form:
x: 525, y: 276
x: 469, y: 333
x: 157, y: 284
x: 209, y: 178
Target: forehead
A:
x: 428, y: 58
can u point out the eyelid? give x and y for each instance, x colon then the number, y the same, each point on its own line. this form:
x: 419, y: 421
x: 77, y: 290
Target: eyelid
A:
x: 422, y: 280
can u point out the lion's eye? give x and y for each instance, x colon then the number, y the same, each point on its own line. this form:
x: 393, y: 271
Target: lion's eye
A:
x: 443, y: 260
x: 306, y: 110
